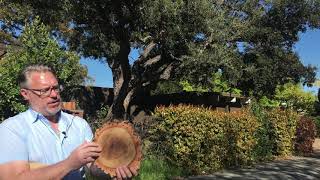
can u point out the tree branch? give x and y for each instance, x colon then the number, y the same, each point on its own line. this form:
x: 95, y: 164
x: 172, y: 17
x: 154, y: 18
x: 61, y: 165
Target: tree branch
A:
x: 167, y: 72
x: 146, y: 52
x: 152, y: 61
x: 148, y: 49
x: 163, y: 74
x: 128, y: 99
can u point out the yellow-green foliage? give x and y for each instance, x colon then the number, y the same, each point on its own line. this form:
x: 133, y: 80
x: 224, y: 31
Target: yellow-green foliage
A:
x: 283, y: 128
x: 204, y: 140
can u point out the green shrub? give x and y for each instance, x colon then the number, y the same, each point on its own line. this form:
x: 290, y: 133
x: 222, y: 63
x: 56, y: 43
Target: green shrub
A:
x: 264, y: 148
x: 276, y: 134
x: 95, y: 121
x: 204, y: 140
x: 282, y: 131
x: 305, y: 136
x: 317, y: 123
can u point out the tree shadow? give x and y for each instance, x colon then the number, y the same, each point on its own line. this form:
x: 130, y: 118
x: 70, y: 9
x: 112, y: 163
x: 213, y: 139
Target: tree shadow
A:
x: 296, y: 168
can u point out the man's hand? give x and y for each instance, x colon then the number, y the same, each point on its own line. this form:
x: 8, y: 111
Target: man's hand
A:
x: 122, y: 172
x: 125, y: 173
x: 86, y: 153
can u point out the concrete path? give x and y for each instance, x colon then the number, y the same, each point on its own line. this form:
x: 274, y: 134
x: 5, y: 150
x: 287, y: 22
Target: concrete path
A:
x: 295, y: 168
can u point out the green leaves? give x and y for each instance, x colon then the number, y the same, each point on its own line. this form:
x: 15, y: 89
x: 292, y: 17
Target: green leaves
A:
x: 205, y: 140
x: 37, y: 47
x: 283, y: 125
x: 249, y: 41
x: 217, y: 84
x: 295, y: 97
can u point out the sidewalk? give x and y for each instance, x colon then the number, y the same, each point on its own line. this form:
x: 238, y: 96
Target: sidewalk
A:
x: 295, y: 168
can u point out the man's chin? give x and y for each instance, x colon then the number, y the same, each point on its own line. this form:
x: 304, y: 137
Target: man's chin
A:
x: 53, y: 112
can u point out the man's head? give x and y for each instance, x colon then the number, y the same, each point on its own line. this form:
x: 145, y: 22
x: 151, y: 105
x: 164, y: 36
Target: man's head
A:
x: 40, y: 87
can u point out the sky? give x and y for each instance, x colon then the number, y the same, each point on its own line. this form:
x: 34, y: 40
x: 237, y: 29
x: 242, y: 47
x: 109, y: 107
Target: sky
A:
x: 307, y: 47
x: 309, y: 51
x: 100, y: 72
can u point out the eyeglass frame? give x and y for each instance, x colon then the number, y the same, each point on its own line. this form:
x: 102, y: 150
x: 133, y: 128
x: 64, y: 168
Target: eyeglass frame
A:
x: 57, y: 88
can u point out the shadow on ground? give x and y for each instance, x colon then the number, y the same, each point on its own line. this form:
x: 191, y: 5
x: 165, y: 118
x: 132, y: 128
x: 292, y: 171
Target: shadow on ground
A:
x: 296, y: 168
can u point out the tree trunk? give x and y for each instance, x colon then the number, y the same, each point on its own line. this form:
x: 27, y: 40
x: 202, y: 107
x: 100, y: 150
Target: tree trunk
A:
x: 121, y: 77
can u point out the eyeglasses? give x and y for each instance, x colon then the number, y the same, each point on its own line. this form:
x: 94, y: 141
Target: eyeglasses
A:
x: 45, y: 92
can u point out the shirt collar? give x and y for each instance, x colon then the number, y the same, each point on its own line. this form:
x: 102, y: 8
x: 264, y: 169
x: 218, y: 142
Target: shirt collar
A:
x: 35, y: 115
x: 38, y: 116
x: 62, y: 119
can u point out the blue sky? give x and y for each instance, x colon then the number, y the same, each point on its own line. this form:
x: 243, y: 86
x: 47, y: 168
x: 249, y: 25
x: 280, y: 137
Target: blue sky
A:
x: 100, y: 72
x: 309, y: 51
x: 307, y: 47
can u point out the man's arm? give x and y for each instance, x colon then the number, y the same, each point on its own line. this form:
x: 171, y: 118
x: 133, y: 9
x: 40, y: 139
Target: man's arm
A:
x: 21, y: 170
x: 84, y: 154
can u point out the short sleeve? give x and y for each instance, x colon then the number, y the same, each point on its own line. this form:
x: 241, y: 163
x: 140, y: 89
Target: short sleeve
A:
x: 12, y: 146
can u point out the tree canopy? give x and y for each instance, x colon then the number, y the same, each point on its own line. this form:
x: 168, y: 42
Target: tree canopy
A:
x: 250, y: 41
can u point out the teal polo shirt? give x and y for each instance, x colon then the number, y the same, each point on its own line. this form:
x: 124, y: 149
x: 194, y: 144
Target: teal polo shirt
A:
x: 28, y: 136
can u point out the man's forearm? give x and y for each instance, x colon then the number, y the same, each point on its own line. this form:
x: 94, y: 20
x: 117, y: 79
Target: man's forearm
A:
x: 22, y: 171
x: 55, y: 171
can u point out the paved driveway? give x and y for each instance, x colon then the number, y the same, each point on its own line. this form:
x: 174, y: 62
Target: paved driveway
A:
x: 297, y: 168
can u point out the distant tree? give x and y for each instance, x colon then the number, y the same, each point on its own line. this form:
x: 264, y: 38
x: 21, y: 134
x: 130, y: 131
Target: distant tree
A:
x: 35, y: 47
x: 272, y: 69
x: 266, y: 102
x: 290, y: 95
x: 295, y: 97
x: 216, y: 84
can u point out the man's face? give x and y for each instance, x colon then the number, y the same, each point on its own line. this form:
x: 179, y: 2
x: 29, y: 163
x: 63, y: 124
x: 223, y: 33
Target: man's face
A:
x: 42, y: 93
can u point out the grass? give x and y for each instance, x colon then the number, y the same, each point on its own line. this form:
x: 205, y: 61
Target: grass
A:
x: 153, y: 168
x: 157, y: 168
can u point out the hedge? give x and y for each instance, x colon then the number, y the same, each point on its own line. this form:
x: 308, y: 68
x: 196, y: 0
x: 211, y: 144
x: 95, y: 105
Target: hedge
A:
x: 203, y: 140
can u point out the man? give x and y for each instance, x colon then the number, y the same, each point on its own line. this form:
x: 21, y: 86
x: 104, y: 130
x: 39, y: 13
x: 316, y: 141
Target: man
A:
x: 44, y: 134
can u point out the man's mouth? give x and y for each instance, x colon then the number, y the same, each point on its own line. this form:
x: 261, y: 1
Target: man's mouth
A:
x: 54, y: 103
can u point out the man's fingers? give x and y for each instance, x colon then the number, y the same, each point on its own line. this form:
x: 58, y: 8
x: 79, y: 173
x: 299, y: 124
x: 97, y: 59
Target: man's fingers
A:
x: 127, y: 171
x: 90, y: 144
x: 119, y: 177
x: 88, y: 150
x: 92, y: 149
x: 122, y: 172
x: 92, y: 154
x: 133, y: 171
x: 88, y: 160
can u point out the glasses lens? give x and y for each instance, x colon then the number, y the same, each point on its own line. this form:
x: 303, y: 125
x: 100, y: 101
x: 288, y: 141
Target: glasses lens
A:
x: 47, y: 91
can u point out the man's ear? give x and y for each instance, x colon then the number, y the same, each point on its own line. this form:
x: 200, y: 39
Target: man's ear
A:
x: 24, y: 94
